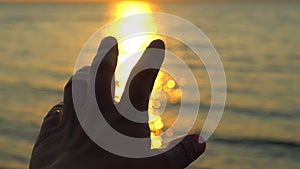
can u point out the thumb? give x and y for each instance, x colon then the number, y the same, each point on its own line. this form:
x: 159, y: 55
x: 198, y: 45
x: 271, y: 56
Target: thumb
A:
x: 186, y: 151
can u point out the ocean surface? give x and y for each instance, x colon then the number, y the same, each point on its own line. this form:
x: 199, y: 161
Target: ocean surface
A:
x: 258, y: 44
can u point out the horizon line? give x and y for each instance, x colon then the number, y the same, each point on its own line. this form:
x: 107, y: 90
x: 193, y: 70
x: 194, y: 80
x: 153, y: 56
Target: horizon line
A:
x: 113, y: 1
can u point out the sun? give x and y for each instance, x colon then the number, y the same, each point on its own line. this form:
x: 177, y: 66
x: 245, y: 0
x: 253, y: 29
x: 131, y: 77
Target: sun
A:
x: 127, y: 8
x: 142, y: 23
x: 128, y: 47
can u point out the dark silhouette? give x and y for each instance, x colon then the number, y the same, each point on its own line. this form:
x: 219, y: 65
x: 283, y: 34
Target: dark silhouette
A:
x: 63, y: 144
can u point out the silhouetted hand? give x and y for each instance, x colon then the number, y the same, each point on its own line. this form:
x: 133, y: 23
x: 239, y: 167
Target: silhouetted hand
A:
x: 63, y: 144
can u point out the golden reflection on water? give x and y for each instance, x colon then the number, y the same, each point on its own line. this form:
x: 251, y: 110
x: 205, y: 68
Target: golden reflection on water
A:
x: 163, y: 84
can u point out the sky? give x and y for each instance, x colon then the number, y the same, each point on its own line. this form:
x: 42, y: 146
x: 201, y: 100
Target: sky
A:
x: 151, y: 0
x: 77, y: 0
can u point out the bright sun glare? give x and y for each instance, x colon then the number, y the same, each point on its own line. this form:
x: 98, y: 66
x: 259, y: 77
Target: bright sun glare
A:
x: 140, y: 24
x: 127, y: 48
x: 127, y: 8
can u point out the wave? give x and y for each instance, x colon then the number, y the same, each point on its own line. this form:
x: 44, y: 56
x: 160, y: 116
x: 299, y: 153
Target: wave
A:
x: 29, y: 87
x: 259, y: 142
x: 257, y: 112
x: 11, y: 129
x: 13, y: 156
x: 263, y: 112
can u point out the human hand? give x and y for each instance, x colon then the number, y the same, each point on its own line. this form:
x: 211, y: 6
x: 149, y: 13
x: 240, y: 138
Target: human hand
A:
x: 62, y: 142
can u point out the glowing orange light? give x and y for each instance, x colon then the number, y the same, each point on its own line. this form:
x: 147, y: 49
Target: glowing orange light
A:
x: 127, y: 8
x: 128, y: 48
x: 171, y: 83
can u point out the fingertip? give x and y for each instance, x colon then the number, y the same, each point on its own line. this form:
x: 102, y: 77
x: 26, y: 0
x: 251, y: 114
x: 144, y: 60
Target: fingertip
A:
x: 187, y: 150
x: 192, y: 145
x: 107, y: 52
x: 109, y: 39
x: 199, y: 144
x: 107, y: 44
x: 158, y: 43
